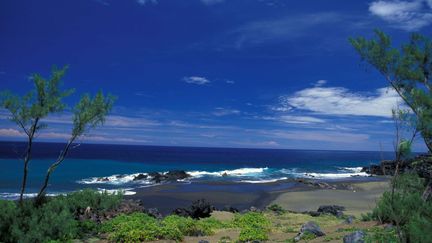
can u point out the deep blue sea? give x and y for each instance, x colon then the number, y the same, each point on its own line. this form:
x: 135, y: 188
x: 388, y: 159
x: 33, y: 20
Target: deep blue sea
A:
x: 87, y: 163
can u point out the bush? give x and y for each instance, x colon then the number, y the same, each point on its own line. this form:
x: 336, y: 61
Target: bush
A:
x: 53, y: 219
x: 276, y: 208
x: 252, y: 234
x: 141, y: 227
x: 378, y: 234
x: 253, y: 225
x: 135, y: 227
x: 406, y: 209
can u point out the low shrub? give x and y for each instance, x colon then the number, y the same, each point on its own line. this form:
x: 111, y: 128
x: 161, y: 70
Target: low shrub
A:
x: 276, y: 208
x: 378, y: 234
x: 52, y: 218
x: 253, y: 226
x: 249, y: 234
x: 141, y: 227
x: 406, y: 210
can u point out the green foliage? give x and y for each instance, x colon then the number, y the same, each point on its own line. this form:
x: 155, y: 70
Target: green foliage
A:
x: 46, y: 98
x: 225, y: 239
x: 91, y: 112
x: 250, y: 234
x: 253, y: 225
x: 141, y: 227
x: 54, y: 219
x: 408, y: 70
x: 379, y: 234
x: 406, y: 209
x: 276, y: 208
x: 98, y: 201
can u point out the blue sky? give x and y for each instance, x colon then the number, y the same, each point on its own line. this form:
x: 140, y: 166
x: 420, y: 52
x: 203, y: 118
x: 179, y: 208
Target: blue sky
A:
x: 218, y: 73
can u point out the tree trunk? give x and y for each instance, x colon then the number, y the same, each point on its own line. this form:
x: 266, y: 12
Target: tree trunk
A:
x: 51, y: 169
x: 27, y: 159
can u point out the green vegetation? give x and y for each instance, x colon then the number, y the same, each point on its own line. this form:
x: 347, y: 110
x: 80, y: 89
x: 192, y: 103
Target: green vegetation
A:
x: 54, y: 219
x: 46, y: 98
x: 276, y: 208
x: 253, y: 225
x: 411, y: 215
x: 408, y: 70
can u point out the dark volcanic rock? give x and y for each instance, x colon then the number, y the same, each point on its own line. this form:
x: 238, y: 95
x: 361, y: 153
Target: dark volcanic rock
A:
x: 421, y: 164
x: 312, y: 213
x: 201, y: 209
x: 331, y: 209
x: 355, y: 237
x: 154, y: 212
x: 310, y: 227
x: 230, y: 209
x: 140, y: 177
x: 173, y: 175
x: 181, y: 212
x: 176, y: 175
x: 349, y: 219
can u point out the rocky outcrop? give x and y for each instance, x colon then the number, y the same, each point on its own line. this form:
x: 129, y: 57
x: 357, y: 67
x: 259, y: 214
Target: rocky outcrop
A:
x: 311, y: 228
x: 421, y: 164
x: 140, y: 177
x: 199, y: 209
x: 355, y: 237
x: 157, y: 177
x: 334, y: 210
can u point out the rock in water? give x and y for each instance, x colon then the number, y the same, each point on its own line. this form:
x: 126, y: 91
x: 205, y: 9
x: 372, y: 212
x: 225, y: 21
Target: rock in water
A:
x: 309, y: 227
x: 176, y: 175
x: 355, y: 237
x: 332, y: 209
x: 140, y: 177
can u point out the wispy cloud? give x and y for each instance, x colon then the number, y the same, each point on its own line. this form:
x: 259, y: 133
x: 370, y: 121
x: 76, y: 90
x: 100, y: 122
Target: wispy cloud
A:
x: 220, y: 111
x: 293, y: 119
x: 123, y: 121
x: 341, y: 101
x: 406, y: 15
x: 211, y: 2
x: 144, y: 2
x: 229, y: 82
x: 281, y: 29
x: 8, y: 132
x: 324, y: 136
x: 196, y: 80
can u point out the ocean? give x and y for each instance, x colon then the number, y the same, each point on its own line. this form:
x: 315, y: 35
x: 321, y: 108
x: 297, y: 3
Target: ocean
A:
x: 113, y: 167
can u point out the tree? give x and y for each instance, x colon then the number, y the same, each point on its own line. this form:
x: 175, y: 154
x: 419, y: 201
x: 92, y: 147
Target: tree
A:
x: 28, y: 111
x: 408, y: 70
x: 88, y: 113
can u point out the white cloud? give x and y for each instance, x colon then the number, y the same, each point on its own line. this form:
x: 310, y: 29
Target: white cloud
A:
x: 144, y: 2
x: 324, y: 136
x: 229, y: 82
x: 341, y: 101
x: 8, y: 132
x: 211, y: 2
x: 281, y: 29
x: 320, y: 83
x: 219, y: 111
x: 406, y: 15
x: 196, y: 80
x: 122, y: 121
x: 292, y: 119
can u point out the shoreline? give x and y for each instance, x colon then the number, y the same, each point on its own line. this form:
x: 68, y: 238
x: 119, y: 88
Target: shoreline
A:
x: 356, y: 193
